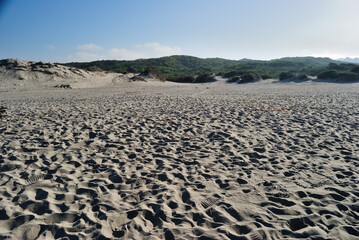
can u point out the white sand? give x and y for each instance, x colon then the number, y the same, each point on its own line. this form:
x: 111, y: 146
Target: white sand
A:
x: 172, y: 161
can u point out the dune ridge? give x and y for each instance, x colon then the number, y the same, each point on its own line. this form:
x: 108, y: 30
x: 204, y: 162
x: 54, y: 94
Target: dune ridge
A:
x: 20, y: 75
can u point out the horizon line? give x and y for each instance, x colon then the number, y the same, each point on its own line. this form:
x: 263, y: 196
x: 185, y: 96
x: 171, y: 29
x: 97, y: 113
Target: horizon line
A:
x: 249, y: 59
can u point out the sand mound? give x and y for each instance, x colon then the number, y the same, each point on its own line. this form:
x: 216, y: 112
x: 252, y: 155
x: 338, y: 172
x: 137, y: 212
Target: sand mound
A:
x: 27, y: 75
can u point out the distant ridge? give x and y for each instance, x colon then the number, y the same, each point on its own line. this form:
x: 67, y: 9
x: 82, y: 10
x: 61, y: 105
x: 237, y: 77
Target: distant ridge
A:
x: 178, y: 65
x: 350, y: 60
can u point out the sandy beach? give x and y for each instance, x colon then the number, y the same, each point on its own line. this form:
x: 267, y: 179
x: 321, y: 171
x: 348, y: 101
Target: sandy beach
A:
x: 181, y: 161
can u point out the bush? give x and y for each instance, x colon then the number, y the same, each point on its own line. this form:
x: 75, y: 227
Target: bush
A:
x: 266, y: 76
x: 182, y: 79
x: 154, y: 72
x: 233, y: 79
x: 338, y: 75
x: 334, y: 66
x: 232, y: 74
x: 286, y: 75
x: 137, y: 79
x: 303, y: 76
x: 204, y: 78
x: 95, y: 69
x: 355, y: 70
x: 330, y: 74
x: 248, y: 77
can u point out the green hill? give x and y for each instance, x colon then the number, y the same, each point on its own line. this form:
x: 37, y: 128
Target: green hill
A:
x: 180, y: 65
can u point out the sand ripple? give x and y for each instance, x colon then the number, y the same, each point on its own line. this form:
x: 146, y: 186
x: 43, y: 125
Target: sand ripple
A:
x: 181, y: 163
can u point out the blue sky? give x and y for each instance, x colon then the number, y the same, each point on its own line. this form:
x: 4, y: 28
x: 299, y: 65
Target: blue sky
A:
x: 86, y: 30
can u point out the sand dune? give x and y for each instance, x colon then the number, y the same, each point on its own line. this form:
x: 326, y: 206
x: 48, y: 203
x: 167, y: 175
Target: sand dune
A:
x: 172, y: 161
x: 19, y: 75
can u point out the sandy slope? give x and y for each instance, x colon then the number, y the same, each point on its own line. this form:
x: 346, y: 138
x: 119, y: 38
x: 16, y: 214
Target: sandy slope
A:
x: 171, y: 161
x: 19, y: 75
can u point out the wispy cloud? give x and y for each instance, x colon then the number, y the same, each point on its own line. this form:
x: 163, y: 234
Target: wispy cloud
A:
x: 83, y: 57
x: 160, y: 50
x: 92, y: 52
x: 146, y: 50
x: 50, y: 47
x: 89, y: 47
x: 124, y: 54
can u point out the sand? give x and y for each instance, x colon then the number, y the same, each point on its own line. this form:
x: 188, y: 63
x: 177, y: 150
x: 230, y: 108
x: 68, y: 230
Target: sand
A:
x: 180, y: 161
x: 19, y: 75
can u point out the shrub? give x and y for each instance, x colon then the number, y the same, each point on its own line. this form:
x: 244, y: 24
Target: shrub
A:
x: 248, y: 77
x: 266, y: 76
x: 330, y: 74
x: 333, y: 66
x: 232, y: 74
x: 182, y: 79
x: 154, y: 72
x: 286, y: 75
x: 355, y: 70
x: 303, y: 76
x: 203, y: 78
x: 341, y: 67
x: 338, y: 75
x: 95, y: 69
x: 233, y: 79
x: 137, y: 79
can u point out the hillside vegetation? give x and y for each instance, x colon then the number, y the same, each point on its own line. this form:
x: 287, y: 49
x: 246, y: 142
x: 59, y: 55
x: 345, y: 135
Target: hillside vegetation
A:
x: 335, y: 74
x: 198, y: 70
x: 175, y: 66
